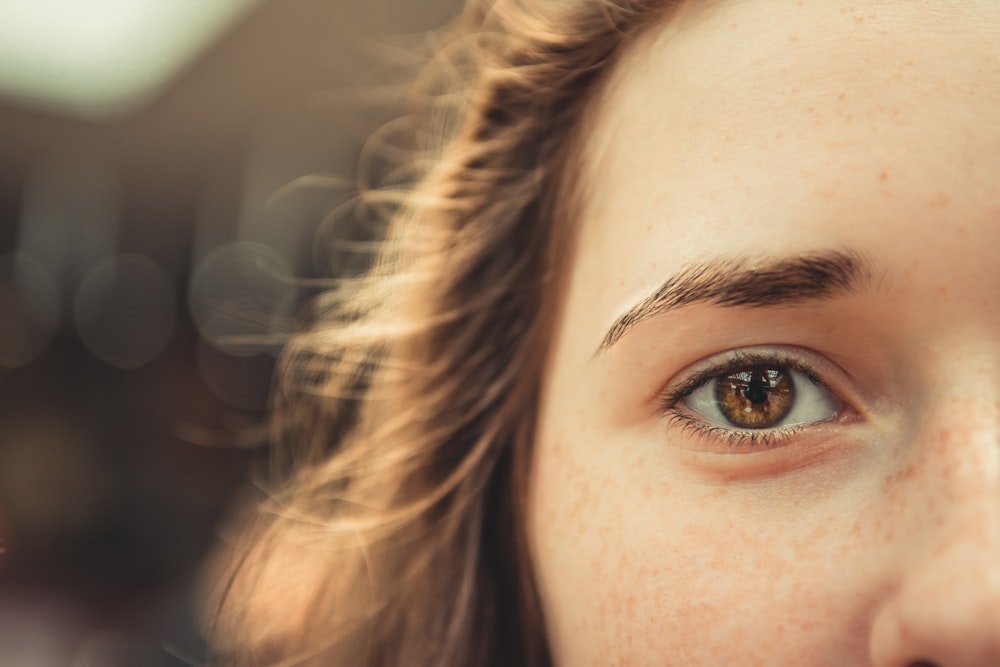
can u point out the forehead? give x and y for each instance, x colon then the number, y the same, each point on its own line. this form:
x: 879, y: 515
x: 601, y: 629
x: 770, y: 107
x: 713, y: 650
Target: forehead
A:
x: 748, y: 126
x: 734, y: 81
x: 725, y: 55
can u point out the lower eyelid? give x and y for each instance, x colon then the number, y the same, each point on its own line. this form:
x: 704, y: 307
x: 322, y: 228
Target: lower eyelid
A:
x: 717, y: 439
x: 828, y: 450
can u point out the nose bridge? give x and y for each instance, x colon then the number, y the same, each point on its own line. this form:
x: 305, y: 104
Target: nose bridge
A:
x: 946, y: 612
x: 965, y: 546
x: 946, y: 609
x: 946, y: 606
x: 957, y: 456
x: 957, y: 430
x: 954, y: 503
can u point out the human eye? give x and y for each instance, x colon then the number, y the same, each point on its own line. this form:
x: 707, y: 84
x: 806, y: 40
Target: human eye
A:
x: 750, y: 399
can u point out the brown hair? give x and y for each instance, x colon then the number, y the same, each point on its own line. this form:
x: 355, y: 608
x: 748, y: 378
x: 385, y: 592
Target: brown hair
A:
x: 407, y: 413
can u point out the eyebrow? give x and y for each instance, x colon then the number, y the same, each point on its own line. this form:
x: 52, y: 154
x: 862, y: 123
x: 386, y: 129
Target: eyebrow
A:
x: 752, y: 283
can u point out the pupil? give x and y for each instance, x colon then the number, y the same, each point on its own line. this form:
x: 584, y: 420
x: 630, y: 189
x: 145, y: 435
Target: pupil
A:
x: 757, y: 389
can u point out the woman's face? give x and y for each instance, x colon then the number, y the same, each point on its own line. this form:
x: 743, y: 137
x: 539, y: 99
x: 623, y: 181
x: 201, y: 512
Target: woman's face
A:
x: 791, y: 455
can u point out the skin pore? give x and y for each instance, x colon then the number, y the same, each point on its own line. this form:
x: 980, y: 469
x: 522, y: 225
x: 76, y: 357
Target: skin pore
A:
x: 732, y: 142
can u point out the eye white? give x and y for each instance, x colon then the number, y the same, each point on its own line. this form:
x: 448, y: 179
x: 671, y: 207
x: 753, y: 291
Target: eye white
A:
x: 811, y: 403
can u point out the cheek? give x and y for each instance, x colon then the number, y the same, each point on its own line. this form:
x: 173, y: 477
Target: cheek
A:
x: 634, y: 570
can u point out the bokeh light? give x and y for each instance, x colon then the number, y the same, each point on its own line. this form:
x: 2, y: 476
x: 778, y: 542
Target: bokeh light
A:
x: 243, y: 298
x: 125, y: 311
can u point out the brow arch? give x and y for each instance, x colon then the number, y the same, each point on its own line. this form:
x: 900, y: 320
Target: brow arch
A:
x: 752, y: 282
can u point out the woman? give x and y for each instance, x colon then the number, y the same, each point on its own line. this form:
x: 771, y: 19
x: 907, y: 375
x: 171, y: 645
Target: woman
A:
x: 681, y: 353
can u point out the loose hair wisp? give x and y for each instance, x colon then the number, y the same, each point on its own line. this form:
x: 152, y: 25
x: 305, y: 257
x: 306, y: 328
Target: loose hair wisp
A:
x: 406, y: 414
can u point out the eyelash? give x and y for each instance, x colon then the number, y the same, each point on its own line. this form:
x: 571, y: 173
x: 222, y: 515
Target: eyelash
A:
x: 734, y: 438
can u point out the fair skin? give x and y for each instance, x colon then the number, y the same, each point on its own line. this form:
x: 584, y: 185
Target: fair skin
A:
x: 761, y: 133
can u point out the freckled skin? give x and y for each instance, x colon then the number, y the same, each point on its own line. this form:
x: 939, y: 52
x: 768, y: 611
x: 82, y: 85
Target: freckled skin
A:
x: 781, y: 128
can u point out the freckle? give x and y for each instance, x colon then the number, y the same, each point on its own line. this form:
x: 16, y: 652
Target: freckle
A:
x: 842, y: 97
x: 939, y: 201
x: 908, y: 473
x: 649, y: 492
x: 884, y: 176
x: 794, y: 37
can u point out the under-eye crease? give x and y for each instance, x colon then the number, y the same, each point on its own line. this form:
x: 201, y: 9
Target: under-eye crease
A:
x: 749, y: 399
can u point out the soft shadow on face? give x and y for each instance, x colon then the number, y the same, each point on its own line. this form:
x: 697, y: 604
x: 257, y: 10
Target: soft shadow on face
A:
x: 738, y: 140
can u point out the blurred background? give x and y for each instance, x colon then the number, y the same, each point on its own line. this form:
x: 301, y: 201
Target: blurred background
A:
x: 147, y: 226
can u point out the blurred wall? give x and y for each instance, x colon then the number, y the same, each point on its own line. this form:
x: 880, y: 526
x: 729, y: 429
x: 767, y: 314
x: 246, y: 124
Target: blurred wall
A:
x: 135, y: 254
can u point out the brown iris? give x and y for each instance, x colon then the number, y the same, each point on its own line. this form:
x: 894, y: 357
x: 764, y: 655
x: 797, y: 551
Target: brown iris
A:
x: 756, y: 397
